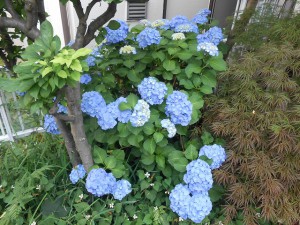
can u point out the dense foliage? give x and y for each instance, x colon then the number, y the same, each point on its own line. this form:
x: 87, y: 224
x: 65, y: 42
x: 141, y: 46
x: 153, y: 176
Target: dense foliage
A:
x: 257, y: 110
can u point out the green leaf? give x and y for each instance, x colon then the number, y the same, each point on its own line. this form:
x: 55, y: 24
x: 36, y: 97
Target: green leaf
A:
x: 148, y: 128
x: 206, y: 89
x: 216, y: 193
x: 184, y: 55
x: 133, y: 76
x: 119, y: 170
x: 82, y: 207
x: 99, y: 155
x: 129, y: 63
x: 144, y: 184
x: 133, y: 140
x: 110, y: 162
x: 62, y: 74
x: 113, y: 25
x: 209, y: 78
x: 173, y: 51
x: 119, y: 154
x: 75, y: 76
x: 191, y: 152
x: 148, y: 218
x: 158, y: 137
x: 34, y: 91
x: 132, y: 99
x: 46, y: 71
x: 75, y: 65
x: 124, y: 106
x: 149, y: 145
x: 217, y: 64
x: 159, y: 55
x: 147, y: 159
x: 178, y: 161
x: 207, y: 138
x: 187, y: 84
x: 169, y: 65
x: 161, y: 161
x: 192, y: 68
x: 46, y: 32
x: 81, y: 52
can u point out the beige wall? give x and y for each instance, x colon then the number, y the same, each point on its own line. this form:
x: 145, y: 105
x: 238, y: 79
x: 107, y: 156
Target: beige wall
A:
x: 185, y: 7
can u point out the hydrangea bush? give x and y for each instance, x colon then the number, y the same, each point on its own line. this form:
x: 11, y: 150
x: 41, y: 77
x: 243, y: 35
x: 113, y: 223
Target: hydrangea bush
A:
x: 142, y: 99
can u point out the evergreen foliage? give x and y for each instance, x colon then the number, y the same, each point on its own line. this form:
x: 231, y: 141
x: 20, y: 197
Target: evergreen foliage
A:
x: 257, y: 111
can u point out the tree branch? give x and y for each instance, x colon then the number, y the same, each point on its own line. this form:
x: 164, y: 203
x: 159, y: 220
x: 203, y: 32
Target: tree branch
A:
x: 10, y: 57
x: 31, y: 9
x: 19, y: 24
x: 78, y: 8
x: 41, y: 11
x: 89, y: 8
x: 99, y: 22
x: 9, y: 7
x: 4, y: 58
x: 64, y: 117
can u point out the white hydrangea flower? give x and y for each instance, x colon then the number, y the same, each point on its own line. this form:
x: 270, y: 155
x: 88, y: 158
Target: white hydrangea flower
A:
x: 158, y: 23
x: 178, y: 36
x: 127, y: 49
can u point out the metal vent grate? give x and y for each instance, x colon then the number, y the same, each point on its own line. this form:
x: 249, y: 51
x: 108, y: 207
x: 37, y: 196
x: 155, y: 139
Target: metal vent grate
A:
x: 137, y: 11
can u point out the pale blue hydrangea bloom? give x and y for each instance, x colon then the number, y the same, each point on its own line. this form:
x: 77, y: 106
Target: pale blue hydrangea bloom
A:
x: 179, y: 108
x: 121, y: 189
x: 77, y: 173
x: 200, y: 206
x: 99, y: 182
x: 213, y: 35
x: 160, y: 23
x: 166, y: 123
x: 214, y: 152
x: 50, y: 125
x: 92, y: 103
x: 91, y: 59
x: 152, y: 91
x: 148, y: 37
x: 62, y: 109
x: 186, y: 27
x: 141, y: 114
x: 113, y: 109
x: 127, y: 49
x: 180, y: 200
x: 106, y: 120
x: 85, y: 78
x: 198, y: 177
x: 178, y: 20
x: 208, y: 47
x: 201, y: 17
x: 116, y: 36
x: 145, y: 22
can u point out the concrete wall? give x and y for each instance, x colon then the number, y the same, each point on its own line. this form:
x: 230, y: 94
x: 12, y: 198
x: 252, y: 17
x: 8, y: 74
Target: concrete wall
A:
x: 185, y: 7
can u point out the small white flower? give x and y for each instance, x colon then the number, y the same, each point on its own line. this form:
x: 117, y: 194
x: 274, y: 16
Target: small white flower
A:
x: 220, y: 223
x: 151, y: 184
x: 80, y: 196
x: 258, y: 215
x: 1, y: 186
x: 253, y: 112
x: 155, y: 208
x: 178, y: 36
x: 38, y: 187
x: 135, y: 217
x: 12, y: 186
x: 87, y: 217
x: 127, y: 49
x: 167, y: 192
x: 147, y: 175
x: 180, y: 219
x: 111, y: 205
x: 33, y: 223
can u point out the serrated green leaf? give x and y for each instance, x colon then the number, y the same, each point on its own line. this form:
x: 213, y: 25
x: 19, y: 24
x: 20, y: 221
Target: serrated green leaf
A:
x: 192, y: 68
x: 147, y: 159
x: 158, y: 137
x: 191, y: 152
x: 169, y: 65
x: 110, y: 162
x: 178, y: 161
x: 217, y: 64
x: 124, y: 106
x: 132, y: 99
x: 149, y: 146
x: 185, y: 55
x: 62, y: 74
x: 129, y: 63
x: 99, y: 155
x: 161, y: 161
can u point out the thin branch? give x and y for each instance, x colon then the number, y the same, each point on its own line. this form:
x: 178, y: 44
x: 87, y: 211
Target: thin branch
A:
x: 19, y: 24
x: 4, y: 58
x: 41, y: 11
x: 9, y: 7
x: 10, y: 58
x: 99, y: 22
x: 78, y: 8
x: 64, y: 117
x: 89, y: 8
x: 31, y: 9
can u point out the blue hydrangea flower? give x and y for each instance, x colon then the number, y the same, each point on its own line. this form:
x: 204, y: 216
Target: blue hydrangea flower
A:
x: 85, y: 78
x: 186, y: 27
x: 99, y: 182
x: 121, y: 189
x: 200, y: 206
x: 180, y: 200
x: 201, y: 17
x: 106, y: 120
x: 62, y: 109
x: 50, y: 125
x: 152, y: 91
x: 145, y: 22
x: 141, y: 114
x: 71, y: 43
x: 21, y: 94
x: 148, y: 37
x: 178, y: 20
x: 77, y: 173
x: 208, y: 47
x: 116, y: 113
x: 91, y: 59
x: 166, y: 123
x: 92, y: 103
x: 214, y: 152
x: 213, y: 35
x: 116, y: 36
x: 179, y: 108
x: 198, y: 177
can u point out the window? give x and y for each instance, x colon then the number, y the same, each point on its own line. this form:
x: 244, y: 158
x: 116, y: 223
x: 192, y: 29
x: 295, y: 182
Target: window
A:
x: 136, y: 10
